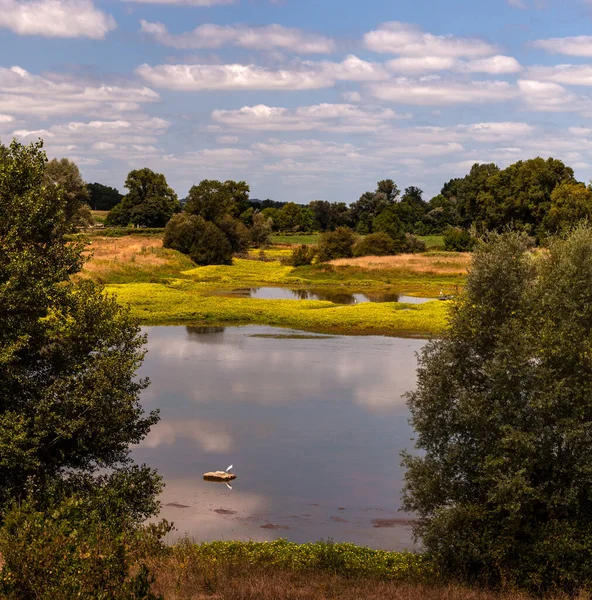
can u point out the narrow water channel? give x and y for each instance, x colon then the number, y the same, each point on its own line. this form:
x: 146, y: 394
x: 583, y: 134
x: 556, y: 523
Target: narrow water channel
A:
x: 312, y: 424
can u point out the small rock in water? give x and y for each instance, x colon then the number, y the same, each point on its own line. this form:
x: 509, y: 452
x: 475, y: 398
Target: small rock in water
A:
x: 222, y: 476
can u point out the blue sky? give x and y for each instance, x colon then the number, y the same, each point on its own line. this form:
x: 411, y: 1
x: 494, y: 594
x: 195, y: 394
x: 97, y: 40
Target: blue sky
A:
x: 304, y: 99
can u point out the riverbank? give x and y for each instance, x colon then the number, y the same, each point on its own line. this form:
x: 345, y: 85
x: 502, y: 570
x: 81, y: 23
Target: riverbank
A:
x: 318, y: 571
x: 163, y: 287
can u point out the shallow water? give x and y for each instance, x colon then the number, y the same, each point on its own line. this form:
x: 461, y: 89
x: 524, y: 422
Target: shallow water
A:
x: 313, y: 425
x: 330, y: 295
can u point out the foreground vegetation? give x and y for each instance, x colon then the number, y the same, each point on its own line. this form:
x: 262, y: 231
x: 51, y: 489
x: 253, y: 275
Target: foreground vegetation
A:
x: 163, y: 286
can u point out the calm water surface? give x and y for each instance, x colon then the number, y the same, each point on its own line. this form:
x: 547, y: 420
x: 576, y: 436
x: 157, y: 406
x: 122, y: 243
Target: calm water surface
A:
x: 313, y: 425
x: 330, y: 295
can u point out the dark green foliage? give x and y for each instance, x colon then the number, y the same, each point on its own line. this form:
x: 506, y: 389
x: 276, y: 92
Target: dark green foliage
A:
x: 236, y: 233
x: 69, y: 550
x: 69, y: 398
x: 302, y: 255
x: 503, y: 415
x: 336, y: 244
x: 458, y: 240
x: 102, y: 197
x: 150, y: 202
x: 388, y: 222
x: 205, y: 243
x: 570, y: 203
x: 375, y: 244
x: 328, y: 216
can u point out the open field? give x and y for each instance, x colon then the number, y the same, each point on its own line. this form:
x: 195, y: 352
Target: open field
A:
x: 433, y: 242
x: 163, y: 287
x: 99, y: 215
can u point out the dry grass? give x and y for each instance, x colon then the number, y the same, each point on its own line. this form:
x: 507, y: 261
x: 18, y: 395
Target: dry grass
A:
x: 106, y: 254
x: 441, y: 263
x: 241, y: 582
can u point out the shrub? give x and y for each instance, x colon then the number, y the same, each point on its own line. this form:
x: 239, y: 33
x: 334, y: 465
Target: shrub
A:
x: 301, y: 256
x: 336, y: 244
x: 211, y: 247
x: 458, y: 240
x: 236, y: 233
x: 413, y: 244
x: 205, y: 243
x: 70, y: 552
x: 375, y: 244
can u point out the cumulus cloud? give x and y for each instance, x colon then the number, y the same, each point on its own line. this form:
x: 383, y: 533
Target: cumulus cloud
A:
x: 345, y: 118
x: 307, y: 75
x: 580, y: 45
x: 406, y: 39
x: 549, y: 96
x: 24, y: 93
x: 305, y: 148
x: 568, y: 74
x: 415, y: 65
x: 433, y: 91
x: 55, y: 18
x: 252, y: 38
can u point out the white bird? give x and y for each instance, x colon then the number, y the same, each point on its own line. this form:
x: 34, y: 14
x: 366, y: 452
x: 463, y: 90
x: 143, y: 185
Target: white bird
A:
x: 230, y: 467
x: 228, y: 486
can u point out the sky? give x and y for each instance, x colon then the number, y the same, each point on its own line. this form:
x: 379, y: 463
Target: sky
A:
x: 303, y: 99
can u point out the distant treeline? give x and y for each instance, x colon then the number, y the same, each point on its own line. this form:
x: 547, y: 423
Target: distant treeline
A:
x: 537, y: 196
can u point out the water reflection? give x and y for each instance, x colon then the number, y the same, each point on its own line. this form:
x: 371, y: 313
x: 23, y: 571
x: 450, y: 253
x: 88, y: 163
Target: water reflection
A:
x: 329, y: 295
x: 311, y: 426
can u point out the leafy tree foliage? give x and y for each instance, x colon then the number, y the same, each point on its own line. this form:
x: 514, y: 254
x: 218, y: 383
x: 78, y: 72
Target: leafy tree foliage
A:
x: 103, y: 197
x: 261, y: 230
x: 369, y: 206
x: 458, y: 240
x: 302, y: 255
x: 503, y: 487
x: 150, y: 202
x: 205, y: 243
x: 68, y: 357
x: 212, y: 199
x: 66, y: 175
x: 375, y: 244
x: 336, y: 244
x: 236, y: 233
x: 570, y: 202
x: 389, y: 223
x: 328, y: 216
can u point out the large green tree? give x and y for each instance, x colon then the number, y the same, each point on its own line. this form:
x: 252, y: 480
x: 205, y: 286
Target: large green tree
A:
x: 69, y: 354
x: 65, y: 174
x: 150, y: 202
x: 503, y: 415
x: 103, y: 197
x: 212, y: 199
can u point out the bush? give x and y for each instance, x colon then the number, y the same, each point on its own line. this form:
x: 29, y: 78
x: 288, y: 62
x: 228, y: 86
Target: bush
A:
x: 211, y: 247
x: 205, y: 243
x: 336, y: 244
x: 413, y: 244
x: 375, y: 244
x: 71, y: 552
x: 301, y: 256
x: 458, y: 240
x: 236, y: 233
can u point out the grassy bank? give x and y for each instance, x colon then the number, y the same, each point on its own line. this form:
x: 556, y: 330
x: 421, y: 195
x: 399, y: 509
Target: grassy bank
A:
x: 164, y: 287
x: 316, y: 571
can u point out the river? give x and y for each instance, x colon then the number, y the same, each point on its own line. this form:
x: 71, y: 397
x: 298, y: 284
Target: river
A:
x: 312, y: 424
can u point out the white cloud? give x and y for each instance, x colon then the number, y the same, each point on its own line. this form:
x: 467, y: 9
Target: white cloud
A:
x: 568, y: 74
x: 414, y: 65
x: 227, y: 139
x: 432, y: 91
x: 55, y: 18
x: 344, y: 118
x: 186, y: 2
x: 230, y: 77
x: 494, y: 65
x: 307, y: 75
x: 548, y: 96
x: 352, y: 96
x: 421, y: 64
x: 253, y: 38
x: 580, y: 45
x: 310, y: 149
x: 409, y: 40
x: 23, y: 93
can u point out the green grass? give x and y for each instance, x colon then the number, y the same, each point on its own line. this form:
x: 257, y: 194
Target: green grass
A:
x: 184, y: 301
x: 433, y: 242
x: 309, y: 239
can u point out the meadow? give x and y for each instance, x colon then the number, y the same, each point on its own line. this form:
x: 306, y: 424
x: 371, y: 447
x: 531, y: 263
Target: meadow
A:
x: 163, y: 287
